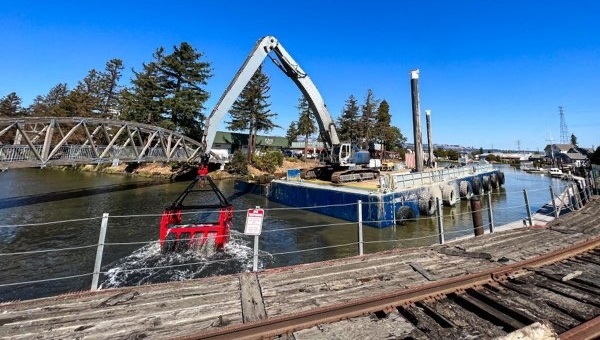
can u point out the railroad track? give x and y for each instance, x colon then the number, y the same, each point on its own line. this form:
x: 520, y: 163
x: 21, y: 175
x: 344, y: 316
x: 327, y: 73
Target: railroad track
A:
x: 560, y: 289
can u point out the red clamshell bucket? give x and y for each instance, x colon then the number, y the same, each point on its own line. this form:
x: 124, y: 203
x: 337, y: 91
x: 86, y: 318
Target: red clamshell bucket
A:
x: 177, y: 236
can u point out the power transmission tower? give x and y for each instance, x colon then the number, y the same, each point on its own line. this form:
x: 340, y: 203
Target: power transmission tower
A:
x: 564, y: 132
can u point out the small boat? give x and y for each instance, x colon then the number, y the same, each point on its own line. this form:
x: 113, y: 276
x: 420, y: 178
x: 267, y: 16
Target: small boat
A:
x: 555, y: 172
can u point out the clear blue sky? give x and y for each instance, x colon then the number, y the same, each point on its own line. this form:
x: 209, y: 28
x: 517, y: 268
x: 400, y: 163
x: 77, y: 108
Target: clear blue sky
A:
x: 492, y: 72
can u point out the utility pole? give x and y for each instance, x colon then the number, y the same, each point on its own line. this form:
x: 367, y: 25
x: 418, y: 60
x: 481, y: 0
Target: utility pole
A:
x: 416, y: 110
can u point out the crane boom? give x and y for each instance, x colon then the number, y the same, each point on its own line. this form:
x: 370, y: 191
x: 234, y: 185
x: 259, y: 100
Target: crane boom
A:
x: 286, y: 63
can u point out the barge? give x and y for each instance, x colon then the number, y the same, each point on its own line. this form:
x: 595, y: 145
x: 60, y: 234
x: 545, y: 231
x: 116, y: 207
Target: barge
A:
x: 389, y: 200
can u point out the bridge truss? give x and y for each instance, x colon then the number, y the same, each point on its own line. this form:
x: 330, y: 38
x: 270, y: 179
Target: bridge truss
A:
x: 49, y: 141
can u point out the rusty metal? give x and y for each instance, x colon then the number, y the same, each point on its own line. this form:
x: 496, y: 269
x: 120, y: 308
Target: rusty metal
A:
x: 586, y: 330
x: 293, y: 322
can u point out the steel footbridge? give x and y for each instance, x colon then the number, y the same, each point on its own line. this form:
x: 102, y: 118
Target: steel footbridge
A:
x: 53, y: 141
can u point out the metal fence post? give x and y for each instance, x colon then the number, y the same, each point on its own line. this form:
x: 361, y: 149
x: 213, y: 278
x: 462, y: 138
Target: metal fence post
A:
x: 556, y: 212
x: 490, y: 212
x: 360, y: 229
x: 99, y: 251
x: 255, y: 257
x: 527, y: 207
x: 440, y: 220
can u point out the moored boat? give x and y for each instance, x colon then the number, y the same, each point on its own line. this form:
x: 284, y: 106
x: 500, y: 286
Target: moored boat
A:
x: 555, y: 172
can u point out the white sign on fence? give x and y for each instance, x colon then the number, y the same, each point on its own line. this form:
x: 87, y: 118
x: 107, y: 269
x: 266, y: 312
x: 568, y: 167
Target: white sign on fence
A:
x: 254, y: 220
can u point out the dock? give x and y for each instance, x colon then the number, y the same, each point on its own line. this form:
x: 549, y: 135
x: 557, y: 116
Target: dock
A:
x: 181, y: 309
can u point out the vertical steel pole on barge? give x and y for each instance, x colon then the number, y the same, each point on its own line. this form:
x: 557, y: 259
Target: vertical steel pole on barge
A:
x: 416, y: 111
x: 429, y: 139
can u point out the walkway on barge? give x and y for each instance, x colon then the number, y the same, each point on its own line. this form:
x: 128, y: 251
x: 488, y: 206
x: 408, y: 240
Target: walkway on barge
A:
x: 182, y: 308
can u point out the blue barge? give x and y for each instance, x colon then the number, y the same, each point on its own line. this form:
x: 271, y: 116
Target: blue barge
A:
x: 395, y: 197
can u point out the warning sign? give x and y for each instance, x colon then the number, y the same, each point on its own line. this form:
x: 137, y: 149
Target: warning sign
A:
x: 254, y: 220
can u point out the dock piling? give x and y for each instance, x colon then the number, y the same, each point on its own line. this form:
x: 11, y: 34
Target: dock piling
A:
x: 490, y: 212
x: 556, y: 212
x: 440, y: 220
x: 527, y: 207
x: 476, y: 215
x: 99, y: 251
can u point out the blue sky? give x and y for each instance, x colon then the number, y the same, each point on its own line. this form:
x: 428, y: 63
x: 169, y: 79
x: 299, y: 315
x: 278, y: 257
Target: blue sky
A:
x: 493, y: 73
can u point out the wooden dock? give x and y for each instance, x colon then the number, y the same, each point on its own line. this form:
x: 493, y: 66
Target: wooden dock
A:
x: 177, y: 309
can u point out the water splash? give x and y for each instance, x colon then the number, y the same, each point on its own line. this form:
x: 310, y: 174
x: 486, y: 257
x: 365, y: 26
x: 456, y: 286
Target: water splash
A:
x: 149, y: 265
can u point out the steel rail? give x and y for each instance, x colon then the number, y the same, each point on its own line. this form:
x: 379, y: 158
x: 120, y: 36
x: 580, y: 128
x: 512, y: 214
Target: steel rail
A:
x: 289, y: 323
x: 587, y: 330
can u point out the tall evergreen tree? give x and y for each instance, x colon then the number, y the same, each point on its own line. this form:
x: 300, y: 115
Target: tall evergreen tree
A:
x: 10, y: 106
x: 181, y: 76
x: 48, y: 105
x: 306, y: 122
x: 382, y: 131
x: 143, y: 102
x: 110, y: 89
x: 368, y: 118
x: 85, y: 99
x: 574, y: 139
x: 250, y: 112
x: 348, y: 122
x: 397, y: 139
x: 292, y: 132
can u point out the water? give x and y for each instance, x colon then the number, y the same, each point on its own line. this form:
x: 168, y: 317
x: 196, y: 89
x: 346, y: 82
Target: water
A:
x: 289, y: 237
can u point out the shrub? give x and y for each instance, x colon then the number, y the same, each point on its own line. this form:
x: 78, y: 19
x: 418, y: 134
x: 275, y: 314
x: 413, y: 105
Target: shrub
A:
x: 268, y: 162
x: 238, y: 164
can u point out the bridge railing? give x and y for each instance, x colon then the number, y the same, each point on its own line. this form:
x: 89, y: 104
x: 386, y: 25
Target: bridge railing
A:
x: 76, y: 153
x: 568, y: 199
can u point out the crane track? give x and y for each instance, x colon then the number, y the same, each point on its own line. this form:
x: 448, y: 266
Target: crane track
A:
x: 562, y: 286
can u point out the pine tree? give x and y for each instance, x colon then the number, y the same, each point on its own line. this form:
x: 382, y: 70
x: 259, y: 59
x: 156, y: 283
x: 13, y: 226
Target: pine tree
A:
x: 306, y: 122
x: 367, y: 120
x: 292, y: 132
x: 10, y: 106
x: 109, y: 88
x: 250, y: 112
x: 181, y: 76
x: 348, y: 122
x: 382, y: 131
x: 48, y: 105
x: 389, y: 136
x: 143, y: 102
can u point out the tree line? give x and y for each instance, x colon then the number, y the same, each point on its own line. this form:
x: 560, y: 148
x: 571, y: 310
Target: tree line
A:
x: 170, y: 91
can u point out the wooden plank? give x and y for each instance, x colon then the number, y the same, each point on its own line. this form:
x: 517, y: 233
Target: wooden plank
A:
x: 253, y: 307
x: 426, y: 274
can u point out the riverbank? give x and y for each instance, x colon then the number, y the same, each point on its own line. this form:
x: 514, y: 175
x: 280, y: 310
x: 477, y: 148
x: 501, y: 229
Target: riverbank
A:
x: 177, y: 171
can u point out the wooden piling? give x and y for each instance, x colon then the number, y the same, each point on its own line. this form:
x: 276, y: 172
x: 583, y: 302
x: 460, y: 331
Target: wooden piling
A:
x: 477, y: 216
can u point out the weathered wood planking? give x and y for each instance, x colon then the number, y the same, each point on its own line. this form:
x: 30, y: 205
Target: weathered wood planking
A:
x: 144, y: 311
x: 168, y: 310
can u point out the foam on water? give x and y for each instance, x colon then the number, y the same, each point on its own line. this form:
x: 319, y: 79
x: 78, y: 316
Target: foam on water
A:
x: 149, y: 265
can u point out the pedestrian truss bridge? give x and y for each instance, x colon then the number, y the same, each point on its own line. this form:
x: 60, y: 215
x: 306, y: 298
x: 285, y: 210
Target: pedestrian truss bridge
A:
x: 50, y: 141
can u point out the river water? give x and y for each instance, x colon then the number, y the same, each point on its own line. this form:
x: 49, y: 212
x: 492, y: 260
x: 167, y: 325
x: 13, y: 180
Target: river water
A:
x: 50, y: 222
